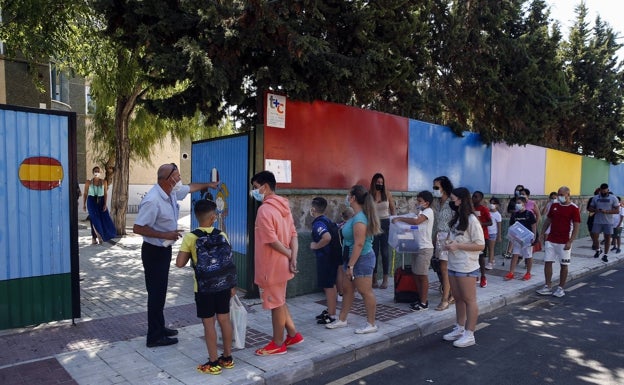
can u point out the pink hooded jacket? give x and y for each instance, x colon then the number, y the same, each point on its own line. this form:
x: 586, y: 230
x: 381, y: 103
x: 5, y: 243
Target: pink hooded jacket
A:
x: 274, y: 222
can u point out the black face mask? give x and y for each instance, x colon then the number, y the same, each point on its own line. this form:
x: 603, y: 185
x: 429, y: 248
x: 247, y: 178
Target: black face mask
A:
x: 379, y: 187
x: 453, y: 206
x: 604, y: 195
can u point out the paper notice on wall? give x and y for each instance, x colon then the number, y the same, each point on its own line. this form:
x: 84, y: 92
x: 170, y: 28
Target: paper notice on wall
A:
x: 276, y: 111
x: 280, y: 168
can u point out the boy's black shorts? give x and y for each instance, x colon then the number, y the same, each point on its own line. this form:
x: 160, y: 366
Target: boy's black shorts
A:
x: 209, y: 304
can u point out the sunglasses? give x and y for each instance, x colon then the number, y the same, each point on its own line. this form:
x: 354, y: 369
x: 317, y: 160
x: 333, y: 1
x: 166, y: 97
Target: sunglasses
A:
x: 172, y: 170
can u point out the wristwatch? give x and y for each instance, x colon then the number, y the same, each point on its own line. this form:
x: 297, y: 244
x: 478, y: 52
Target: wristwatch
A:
x: 350, y: 267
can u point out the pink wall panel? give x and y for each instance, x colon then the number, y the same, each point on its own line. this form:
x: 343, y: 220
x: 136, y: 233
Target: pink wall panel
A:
x: 334, y: 146
x: 514, y: 165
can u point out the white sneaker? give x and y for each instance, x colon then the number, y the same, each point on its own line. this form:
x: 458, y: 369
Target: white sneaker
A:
x: 489, y: 266
x: 367, y: 329
x: 467, y: 339
x: 455, y: 334
x: 544, y: 291
x: 559, y: 292
x: 337, y: 324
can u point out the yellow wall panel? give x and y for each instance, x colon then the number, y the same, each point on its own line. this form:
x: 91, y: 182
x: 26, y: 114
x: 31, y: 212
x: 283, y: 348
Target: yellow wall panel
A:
x: 563, y: 169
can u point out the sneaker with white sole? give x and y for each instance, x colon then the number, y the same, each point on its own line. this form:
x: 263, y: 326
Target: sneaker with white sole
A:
x: 544, y: 291
x: 455, y: 334
x: 337, y: 324
x: 559, y: 292
x: 367, y: 329
x: 467, y: 339
x: 489, y: 266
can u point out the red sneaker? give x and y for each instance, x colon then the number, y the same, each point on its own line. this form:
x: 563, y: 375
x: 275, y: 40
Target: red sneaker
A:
x: 271, y: 349
x: 509, y: 276
x: 527, y: 276
x: 483, y: 281
x: 297, y: 339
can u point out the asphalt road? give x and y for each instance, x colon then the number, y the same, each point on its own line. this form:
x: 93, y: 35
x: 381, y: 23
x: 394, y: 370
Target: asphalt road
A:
x: 577, y: 339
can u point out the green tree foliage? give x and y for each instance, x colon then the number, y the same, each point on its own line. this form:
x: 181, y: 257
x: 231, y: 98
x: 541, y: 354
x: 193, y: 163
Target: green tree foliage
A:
x: 500, y: 73
x: 227, y: 53
x: 593, y: 125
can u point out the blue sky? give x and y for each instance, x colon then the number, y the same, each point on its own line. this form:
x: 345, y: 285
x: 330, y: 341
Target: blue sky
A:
x: 610, y: 11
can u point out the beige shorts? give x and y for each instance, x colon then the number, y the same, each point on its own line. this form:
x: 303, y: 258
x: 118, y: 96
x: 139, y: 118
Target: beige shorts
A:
x: 421, y: 261
x: 273, y: 296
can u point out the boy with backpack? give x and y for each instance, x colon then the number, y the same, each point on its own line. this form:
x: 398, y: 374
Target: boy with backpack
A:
x: 215, y: 282
x: 326, y: 245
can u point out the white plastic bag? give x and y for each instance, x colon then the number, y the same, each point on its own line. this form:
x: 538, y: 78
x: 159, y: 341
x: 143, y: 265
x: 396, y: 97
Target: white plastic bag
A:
x: 238, y: 317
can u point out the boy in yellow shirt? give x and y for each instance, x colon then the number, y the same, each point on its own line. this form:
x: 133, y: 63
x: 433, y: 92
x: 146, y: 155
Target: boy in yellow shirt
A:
x: 215, y: 282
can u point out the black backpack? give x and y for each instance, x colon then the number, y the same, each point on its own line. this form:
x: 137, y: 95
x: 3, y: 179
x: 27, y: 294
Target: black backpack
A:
x: 215, y: 270
x: 335, y: 245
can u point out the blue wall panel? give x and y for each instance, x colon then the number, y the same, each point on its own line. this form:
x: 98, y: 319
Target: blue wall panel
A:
x: 435, y: 150
x: 230, y: 157
x: 616, y: 179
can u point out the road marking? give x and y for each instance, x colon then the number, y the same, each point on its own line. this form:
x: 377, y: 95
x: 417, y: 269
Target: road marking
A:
x: 482, y: 325
x: 363, y: 373
x: 576, y: 286
x: 533, y: 304
x: 608, y: 272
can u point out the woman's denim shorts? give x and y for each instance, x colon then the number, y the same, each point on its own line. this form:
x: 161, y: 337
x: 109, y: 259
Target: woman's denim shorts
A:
x: 453, y: 273
x: 364, y: 265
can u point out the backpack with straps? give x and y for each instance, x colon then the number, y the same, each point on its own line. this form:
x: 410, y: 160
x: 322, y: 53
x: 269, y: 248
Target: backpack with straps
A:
x: 214, y: 270
x: 335, y: 245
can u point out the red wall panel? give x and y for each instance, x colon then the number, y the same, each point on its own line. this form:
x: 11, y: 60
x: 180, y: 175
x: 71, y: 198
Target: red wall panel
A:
x: 335, y: 146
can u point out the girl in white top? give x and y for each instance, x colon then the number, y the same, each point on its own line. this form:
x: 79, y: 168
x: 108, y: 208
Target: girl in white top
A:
x: 494, y: 231
x: 422, y: 259
x: 465, y: 242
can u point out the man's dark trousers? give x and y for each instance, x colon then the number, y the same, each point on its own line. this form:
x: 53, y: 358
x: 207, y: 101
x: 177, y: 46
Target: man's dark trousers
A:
x: 156, y: 263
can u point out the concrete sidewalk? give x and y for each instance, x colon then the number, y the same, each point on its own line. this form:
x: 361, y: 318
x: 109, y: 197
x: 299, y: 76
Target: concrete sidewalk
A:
x: 107, y: 345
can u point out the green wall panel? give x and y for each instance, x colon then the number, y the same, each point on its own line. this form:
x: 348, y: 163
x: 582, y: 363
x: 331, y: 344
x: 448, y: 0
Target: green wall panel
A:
x: 34, y: 300
x: 594, y: 173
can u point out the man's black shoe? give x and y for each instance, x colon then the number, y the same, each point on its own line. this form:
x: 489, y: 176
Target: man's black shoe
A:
x: 170, y: 332
x: 165, y: 341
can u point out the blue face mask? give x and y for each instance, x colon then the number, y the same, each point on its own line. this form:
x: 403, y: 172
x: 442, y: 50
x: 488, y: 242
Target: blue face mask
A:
x: 561, y: 198
x: 255, y: 193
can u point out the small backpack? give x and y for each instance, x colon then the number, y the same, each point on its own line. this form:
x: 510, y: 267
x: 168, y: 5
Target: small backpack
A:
x: 335, y: 245
x: 215, y: 270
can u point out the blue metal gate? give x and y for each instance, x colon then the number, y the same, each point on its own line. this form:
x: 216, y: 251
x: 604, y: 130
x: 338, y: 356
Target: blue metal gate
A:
x: 228, y: 158
x: 38, y: 217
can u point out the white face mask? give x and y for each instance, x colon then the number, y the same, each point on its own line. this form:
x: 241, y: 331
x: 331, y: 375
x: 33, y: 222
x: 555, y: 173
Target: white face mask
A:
x: 96, y: 174
x: 492, y: 206
x: 177, y: 186
x: 562, y: 199
x: 519, y: 206
x: 347, y: 203
x: 437, y: 194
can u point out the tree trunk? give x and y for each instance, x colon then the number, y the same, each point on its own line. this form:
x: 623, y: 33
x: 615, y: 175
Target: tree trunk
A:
x: 121, y: 175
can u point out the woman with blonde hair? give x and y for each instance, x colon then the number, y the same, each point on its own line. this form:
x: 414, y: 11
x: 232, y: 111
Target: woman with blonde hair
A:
x: 358, y: 235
